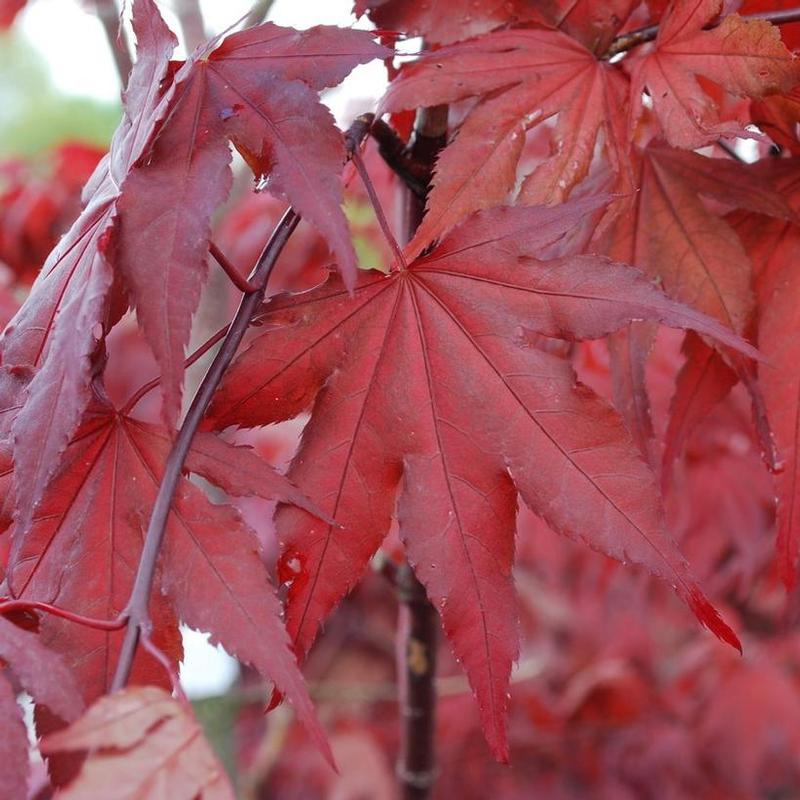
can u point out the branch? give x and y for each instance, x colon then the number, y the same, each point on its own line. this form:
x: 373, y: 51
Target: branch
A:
x: 393, y: 151
x: 190, y: 18
x: 626, y: 41
x: 258, y: 13
x: 108, y: 14
x: 416, y: 650
x: 429, y: 137
x: 137, y: 611
x: 419, y: 623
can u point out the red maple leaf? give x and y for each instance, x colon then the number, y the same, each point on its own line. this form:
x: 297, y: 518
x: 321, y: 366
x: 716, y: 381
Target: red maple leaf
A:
x: 146, y: 221
x: 85, y: 540
x: 773, y: 246
x: 524, y: 77
x: 259, y: 89
x: 667, y: 230
x: 745, y: 57
x: 445, y: 21
x: 702, y: 383
x: 431, y: 391
x: 448, y: 21
x: 53, y: 337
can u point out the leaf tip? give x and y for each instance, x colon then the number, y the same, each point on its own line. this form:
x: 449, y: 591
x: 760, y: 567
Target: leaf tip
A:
x: 709, y: 617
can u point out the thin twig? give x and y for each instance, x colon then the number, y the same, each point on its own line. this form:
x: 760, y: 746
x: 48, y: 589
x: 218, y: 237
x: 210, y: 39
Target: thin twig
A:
x: 236, y: 278
x: 190, y: 18
x: 258, y: 13
x: 378, y: 208
x: 730, y: 150
x: 7, y: 606
x: 418, y: 627
x: 108, y: 14
x: 174, y: 677
x: 137, y: 609
x: 626, y: 41
x: 192, y: 359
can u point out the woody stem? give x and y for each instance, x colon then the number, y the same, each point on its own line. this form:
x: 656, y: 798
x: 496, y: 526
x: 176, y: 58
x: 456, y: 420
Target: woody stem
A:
x: 631, y: 39
x: 418, y: 621
x: 137, y: 609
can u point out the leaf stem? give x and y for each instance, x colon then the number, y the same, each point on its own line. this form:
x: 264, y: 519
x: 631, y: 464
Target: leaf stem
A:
x: 7, y: 606
x: 108, y: 14
x: 634, y: 38
x: 136, y: 613
x: 148, y: 387
x: 378, y: 208
x: 174, y: 677
x: 236, y: 278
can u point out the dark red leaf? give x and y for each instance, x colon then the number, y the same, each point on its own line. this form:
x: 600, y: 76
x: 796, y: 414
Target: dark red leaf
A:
x: 258, y: 89
x: 426, y: 393
x: 745, y: 58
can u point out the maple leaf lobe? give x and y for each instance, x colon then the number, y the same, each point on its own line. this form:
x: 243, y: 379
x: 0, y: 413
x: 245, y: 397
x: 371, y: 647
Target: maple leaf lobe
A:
x: 421, y: 385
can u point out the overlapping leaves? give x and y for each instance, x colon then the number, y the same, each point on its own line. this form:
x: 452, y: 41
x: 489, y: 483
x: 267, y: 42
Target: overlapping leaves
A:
x: 48, y: 680
x: 440, y: 392
x: 524, y: 77
x: 85, y: 539
x: 143, y: 236
x: 432, y: 389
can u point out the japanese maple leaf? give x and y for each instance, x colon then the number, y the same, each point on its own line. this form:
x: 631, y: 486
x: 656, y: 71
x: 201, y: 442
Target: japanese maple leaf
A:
x: 745, y: 57
x: 666, y: 230
x: 523, y: 78
x: 790, y: 31
x: 704, y: 381
x: 591, y: 23
x: 445, y: 21
x: 148, y: 205
x: 778, y: 116
x: 259, y: 89
x: 46, y: 678
x: 54, y: 335
x: 774, y: 246
x: 141, y: 743
x: 85, y: 541
x: 431, y: 392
